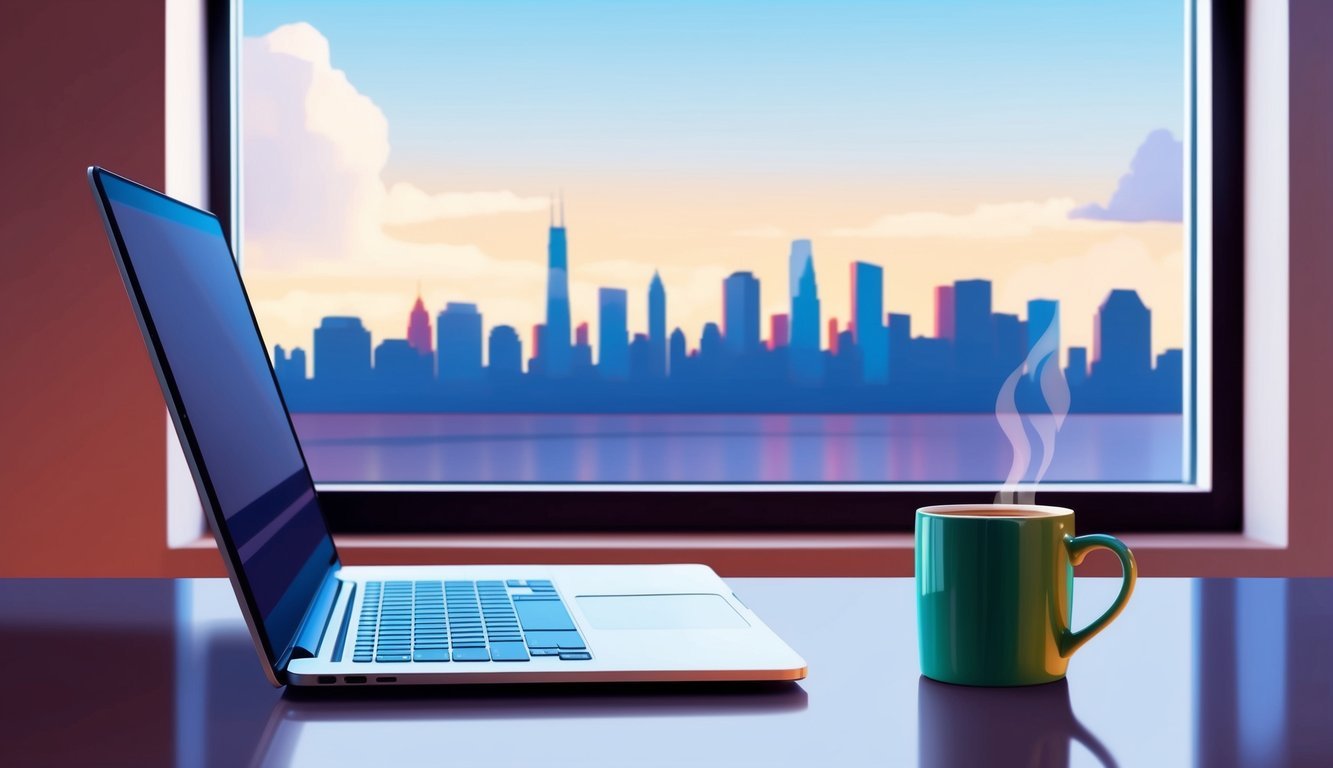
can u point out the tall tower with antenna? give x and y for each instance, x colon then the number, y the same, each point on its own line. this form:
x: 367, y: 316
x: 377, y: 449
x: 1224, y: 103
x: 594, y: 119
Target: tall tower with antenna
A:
x: 555, y: 351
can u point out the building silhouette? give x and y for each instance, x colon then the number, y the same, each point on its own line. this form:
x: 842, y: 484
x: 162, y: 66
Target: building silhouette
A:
x: 1122, y: 339
x: 974, y: 329
x: 868, y: 319
x: 289, y: 368
x: 1076, y: 373
x: 657, y: 333
x: 418, y: 329
x: 582, y: 354
x: 342, y: 351
x: 944, y: 312
x: 870, y: 364
x: 399, y: 364
x: 740, y: 313
x: 899, y: 331
x: 612, y: 333
x: 458, y: 339
x: 504, y: 352
x: 678, y: 353
x: 554, y: 350
x: 1010, y: 341
x: 779, y: 331
x: 802, y: 253
x: 1043, y: 316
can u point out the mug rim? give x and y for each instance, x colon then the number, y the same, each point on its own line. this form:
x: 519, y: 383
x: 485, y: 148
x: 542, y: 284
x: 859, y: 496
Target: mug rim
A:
x: 1045, y: 511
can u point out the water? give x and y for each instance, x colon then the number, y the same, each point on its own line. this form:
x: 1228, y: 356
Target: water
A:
x: 545, y: 448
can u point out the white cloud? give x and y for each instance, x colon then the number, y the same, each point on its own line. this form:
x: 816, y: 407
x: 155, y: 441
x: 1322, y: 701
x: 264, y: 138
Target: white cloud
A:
x: 316, y: 149
x: 409, y: 204
x: 1154, y: 188
x: 316, y: 204
x: 988, y: 220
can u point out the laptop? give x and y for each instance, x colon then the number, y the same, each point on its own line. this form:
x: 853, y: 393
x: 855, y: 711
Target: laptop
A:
x: 316, y: 622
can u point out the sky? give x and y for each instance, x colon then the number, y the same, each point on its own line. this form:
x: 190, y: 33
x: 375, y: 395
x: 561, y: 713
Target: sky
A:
x: 396, y: 143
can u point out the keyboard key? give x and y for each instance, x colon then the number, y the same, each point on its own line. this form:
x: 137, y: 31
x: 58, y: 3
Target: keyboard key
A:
x: 508, y: 652
x: 471, y: 654
x: 431, y: 654
x: 389, y: 657
x: 543, y: 615
x: 571, y: 641
x: 361, y: 659
x: 575, y: 656
x: 544, y: 651
x: 515, y: 583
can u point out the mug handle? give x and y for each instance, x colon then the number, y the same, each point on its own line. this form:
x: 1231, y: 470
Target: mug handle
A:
x: 1078, y: 548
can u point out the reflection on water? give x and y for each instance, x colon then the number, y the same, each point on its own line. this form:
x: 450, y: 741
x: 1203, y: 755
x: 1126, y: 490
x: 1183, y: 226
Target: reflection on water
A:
x: 656, y: 448
x: 1032, y: 725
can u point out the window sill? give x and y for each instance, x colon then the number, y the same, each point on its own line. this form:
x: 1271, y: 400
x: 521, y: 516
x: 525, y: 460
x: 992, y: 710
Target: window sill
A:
x: 765, y: 554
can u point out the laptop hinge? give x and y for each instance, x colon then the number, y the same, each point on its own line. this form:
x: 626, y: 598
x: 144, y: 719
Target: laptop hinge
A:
x: 316, y: 622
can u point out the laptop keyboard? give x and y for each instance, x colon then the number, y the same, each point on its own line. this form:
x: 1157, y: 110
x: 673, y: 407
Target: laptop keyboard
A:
x: 465, y: 621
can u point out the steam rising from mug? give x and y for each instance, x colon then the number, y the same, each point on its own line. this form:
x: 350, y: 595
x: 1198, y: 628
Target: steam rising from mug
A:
x: 1043, y: 365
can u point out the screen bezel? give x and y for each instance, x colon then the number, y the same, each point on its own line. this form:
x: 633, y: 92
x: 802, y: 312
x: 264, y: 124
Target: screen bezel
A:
x: 658, y: 508
x: 276, y: 657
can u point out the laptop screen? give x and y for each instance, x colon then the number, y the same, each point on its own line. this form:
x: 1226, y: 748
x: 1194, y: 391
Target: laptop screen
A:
x: 208, y: 347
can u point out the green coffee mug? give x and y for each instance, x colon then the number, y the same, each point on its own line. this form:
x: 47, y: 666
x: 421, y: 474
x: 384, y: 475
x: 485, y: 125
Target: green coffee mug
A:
x: 995, y: 588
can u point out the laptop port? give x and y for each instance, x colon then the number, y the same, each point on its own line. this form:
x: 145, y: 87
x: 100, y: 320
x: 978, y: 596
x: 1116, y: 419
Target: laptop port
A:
x: 327, y: 679
x: 354, y: 679
x: 386, y: 679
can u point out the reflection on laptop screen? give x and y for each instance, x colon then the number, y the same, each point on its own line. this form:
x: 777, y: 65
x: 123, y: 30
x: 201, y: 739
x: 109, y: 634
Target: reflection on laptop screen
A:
x: 192, y: 298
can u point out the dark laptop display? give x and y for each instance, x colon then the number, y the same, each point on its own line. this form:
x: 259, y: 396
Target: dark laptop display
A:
x: 213, y: 368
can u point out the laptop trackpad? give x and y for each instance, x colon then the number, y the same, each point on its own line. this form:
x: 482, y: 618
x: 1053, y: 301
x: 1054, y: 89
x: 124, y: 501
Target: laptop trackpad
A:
x: 660, y: 612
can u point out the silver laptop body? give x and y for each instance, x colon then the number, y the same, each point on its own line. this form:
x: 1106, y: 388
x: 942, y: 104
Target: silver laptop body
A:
x: 316, y: 622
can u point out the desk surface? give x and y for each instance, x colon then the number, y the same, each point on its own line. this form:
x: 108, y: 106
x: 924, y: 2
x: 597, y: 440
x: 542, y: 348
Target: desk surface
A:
x: 1210, y: 672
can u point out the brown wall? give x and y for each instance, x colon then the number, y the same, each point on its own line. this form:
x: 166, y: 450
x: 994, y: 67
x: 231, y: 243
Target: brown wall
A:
x: 1311, y: 281
x: 82, y: 424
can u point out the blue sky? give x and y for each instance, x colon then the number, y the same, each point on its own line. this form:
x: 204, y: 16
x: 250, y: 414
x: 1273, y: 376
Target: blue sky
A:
x: 873, y: 90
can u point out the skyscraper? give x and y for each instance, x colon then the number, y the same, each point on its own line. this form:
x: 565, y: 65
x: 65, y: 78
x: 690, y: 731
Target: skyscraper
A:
x: 779, y: 331
x: 868, y: 314
x: 581, y: 356
x: 805, y: 361
x: 677, y: 352
x: 612, y: 333
x: 740, y: 313
x: 944, y: 312
x: 801, y: 254
x: 974, y: 335
x: 657, y: 335
x: 1122, y: 342
x: 1010, y: 341
x: 641, y: 361
x: 899, y: 334
x: 418, y: 328
x: 289, y: 367
x: 458, y: 332
x: 342, y: 351
x: 554, y: 352
x: 1044, y: 314
x: 504, y: 353
x: 1077, y: 371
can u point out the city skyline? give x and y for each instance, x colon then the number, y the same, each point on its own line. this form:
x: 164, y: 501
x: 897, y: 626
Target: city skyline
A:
x: 970, y: 348
x: 368, y: 167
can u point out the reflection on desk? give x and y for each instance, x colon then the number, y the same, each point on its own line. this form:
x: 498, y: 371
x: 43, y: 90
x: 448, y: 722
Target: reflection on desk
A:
x: 1212, y: 672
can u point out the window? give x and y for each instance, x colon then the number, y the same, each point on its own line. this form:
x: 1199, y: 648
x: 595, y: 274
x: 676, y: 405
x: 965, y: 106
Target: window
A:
x: 918, y: 251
